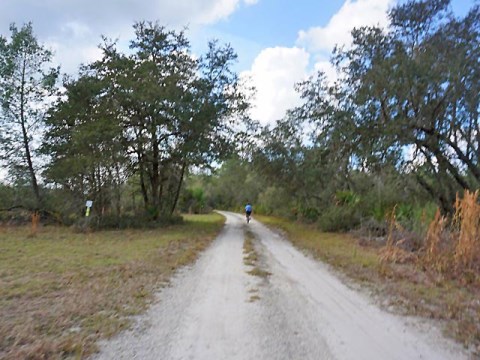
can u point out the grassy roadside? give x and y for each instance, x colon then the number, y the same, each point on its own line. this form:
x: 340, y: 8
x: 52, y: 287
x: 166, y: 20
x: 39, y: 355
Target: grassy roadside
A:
x: 60, y: 292
x: 405, y: 287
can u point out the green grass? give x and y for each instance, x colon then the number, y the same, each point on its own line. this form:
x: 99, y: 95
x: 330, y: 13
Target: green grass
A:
x: 61, y: 291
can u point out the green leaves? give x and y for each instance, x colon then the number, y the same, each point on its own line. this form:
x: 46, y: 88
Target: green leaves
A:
x: 404, y: 107
x: 148, y: 114
x: 411, y: 86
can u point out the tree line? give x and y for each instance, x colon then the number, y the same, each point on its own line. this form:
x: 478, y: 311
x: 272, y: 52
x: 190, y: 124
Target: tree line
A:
x: 132, y: 122
x: 398, y: 127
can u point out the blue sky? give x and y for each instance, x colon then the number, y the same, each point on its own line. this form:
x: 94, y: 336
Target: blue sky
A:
x: 276, y: 22
x: 279, y: 42
x: 270, y: 23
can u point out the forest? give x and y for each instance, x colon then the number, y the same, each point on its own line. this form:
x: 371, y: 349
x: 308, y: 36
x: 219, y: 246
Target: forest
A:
x: 152, y: 132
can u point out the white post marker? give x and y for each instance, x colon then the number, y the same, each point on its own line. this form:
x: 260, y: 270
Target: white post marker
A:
x: 89, y: 205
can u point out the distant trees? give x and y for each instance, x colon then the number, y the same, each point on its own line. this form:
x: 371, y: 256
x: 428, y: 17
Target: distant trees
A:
x: 25, y: 87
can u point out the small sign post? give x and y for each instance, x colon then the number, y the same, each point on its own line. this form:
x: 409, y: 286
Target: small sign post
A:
x: 89, y: 206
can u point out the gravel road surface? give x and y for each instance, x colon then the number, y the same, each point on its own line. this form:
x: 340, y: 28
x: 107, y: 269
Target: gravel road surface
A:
x: 215, y: 310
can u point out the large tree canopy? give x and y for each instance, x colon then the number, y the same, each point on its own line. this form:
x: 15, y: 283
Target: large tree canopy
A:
x: 151, y: 114
x: 408, y: 97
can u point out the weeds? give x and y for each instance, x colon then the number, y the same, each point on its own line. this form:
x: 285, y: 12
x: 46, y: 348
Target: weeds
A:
x: 254, y: 298
x: 447, y: 265
x: 467, y: 248
x: 35, y: 222
x: 251, y: 257
x: 453, y: 247
x: 394, y: 251
x: 256, y: 271
x: 438, y: 245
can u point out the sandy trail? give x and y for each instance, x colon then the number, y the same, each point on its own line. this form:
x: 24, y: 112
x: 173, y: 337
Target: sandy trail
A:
x: 303, y: 312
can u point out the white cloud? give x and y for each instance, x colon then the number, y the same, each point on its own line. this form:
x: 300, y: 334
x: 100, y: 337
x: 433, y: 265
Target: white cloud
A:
x: 69, y: 56
x: 218, y: 10
x: 75, y: 44
x: 320, y: 41
x: 107, y: 14
x: 352, y: 14
x: 73, y: 28
x: 276, y: 70
x: 274, y: 73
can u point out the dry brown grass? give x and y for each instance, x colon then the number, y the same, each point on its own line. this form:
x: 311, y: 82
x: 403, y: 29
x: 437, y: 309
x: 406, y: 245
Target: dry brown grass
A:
x: 438, y: 245
x: 393, y: 252
x: 444, y: 280
x: 35, y: 222
x: 60, y: 292
x: 467, y: 248
x: 452, y: 248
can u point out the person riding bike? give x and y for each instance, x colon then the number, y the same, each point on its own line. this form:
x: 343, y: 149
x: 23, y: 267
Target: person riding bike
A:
x: 248, y: 211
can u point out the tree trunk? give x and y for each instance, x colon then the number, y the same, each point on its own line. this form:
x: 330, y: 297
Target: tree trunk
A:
x: 155, y: 177
x: 180, y: 182
x: 143, y: 187
x: 445, y: 205
x: 26, y: 143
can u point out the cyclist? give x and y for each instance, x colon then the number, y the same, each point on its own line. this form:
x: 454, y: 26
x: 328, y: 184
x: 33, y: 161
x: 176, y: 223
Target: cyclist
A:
x: 248, y: 211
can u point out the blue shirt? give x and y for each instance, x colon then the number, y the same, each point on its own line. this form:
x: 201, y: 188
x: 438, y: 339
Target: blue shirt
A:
x: 248, y: 208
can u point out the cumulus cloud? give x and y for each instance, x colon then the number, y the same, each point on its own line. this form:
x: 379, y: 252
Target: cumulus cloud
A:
x: 352, y: 14
x: 73, y: 28
x: 320, y: 41
x: 274, y: 73
x: 276, y: 70
x: 110, y: 13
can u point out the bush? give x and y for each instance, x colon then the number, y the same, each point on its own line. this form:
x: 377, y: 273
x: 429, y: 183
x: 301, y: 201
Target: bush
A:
x: 309, y: 214
x: 126, y: 221
x: 274, y: 200
x: 339, y: 218
x: 373, y: 228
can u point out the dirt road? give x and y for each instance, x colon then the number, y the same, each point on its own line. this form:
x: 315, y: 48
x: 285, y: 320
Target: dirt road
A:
x: 216, y: 310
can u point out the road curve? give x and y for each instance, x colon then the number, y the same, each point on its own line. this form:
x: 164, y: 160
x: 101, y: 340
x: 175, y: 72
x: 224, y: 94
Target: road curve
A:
x: 215, y: 310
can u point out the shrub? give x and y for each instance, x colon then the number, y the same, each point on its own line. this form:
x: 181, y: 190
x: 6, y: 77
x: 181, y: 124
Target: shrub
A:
x: 309, y: 214
x: 126, y: 221
x: 339, y: 218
